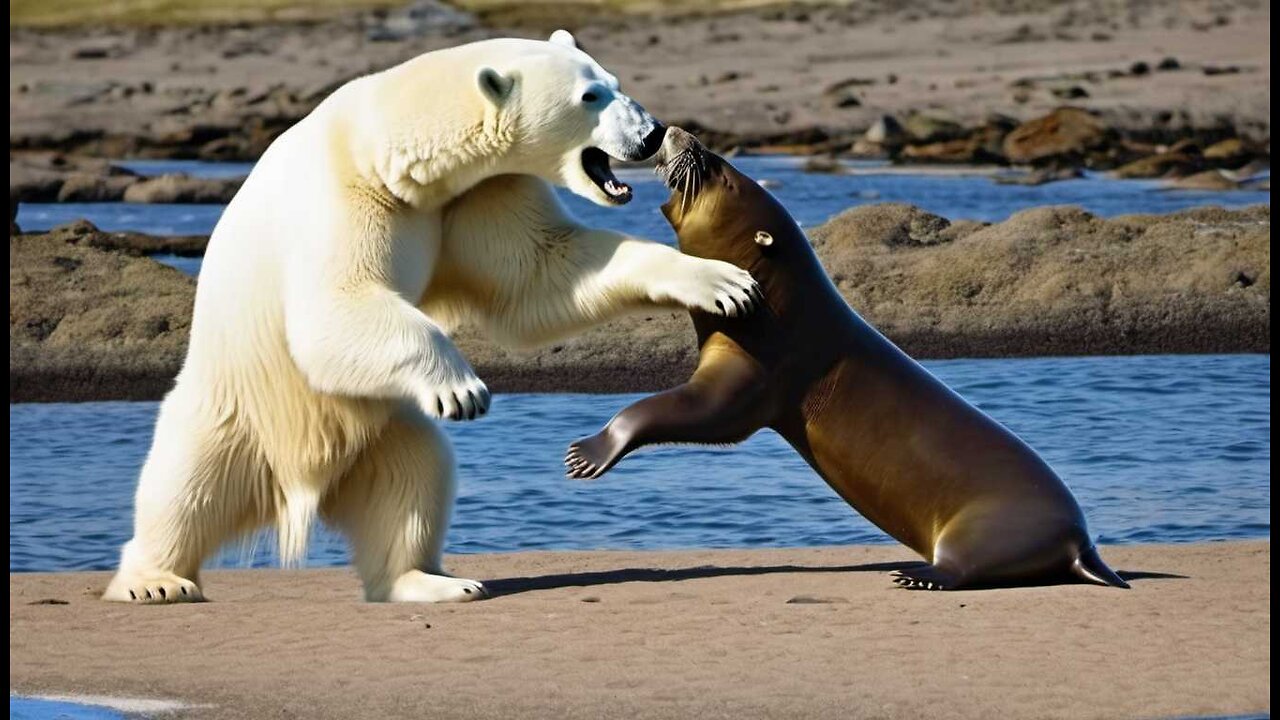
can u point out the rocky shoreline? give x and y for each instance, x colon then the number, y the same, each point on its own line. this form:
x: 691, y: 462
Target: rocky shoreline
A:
x: 92, y: 318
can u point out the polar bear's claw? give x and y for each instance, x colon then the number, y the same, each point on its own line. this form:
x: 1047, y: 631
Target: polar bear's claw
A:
x: 418, y: 586
x: 467, y: 400
x: 158, y: 588
x: 718, y: 288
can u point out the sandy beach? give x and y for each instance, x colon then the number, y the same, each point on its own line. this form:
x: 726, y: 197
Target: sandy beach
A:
x: 818, y: 633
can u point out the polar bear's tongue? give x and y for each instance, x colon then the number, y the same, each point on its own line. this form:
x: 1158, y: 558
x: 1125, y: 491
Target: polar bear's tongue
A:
x: 596, y: 164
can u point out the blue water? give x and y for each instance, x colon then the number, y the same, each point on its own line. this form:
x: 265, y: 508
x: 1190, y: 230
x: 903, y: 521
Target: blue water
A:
x: 1161, y: 448
x: 812, y: 198
x: 21, y: 708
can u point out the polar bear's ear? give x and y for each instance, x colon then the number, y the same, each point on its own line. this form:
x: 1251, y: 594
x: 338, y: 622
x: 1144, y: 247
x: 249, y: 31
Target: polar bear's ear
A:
x: 494, y: 85
x: 563, y: 37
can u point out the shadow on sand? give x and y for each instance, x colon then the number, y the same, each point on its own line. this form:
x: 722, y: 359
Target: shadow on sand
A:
x: 517, y: 585
x: 513, y: 586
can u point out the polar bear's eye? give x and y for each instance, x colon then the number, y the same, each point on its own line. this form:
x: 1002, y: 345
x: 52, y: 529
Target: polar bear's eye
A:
x: 590, y: 97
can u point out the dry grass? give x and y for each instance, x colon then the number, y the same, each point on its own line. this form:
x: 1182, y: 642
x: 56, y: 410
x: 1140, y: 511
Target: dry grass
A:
x: 55, y: 13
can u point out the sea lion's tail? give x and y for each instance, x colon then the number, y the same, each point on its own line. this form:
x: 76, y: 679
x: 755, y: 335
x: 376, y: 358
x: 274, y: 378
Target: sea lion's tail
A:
x: 1090, y: 568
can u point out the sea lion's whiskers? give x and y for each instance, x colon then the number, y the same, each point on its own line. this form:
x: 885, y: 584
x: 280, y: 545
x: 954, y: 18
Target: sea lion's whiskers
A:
x: 684, y: 194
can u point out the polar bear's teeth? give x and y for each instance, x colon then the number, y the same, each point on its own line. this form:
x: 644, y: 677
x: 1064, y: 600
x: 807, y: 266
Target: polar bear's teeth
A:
x: 617, y: 189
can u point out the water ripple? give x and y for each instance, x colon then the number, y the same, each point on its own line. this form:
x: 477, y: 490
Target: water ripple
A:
x: 1166, y: 448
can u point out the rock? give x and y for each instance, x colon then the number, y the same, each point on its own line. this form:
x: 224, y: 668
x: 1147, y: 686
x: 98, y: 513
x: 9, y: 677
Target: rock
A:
x: 963, y: 150
x: 1212, y: 70
x: 925, y: 128
x: 53, y: 177
x: 845, y: 99
x: 32, y: 185
x: 1167, y: 164
x: 94, y: 188
x: 863, y: 149
x: 83, y: 232
x: 1064, y: 136
x: 1040, y: 176
x: 179, y: 188
x: 1055, y: 278
x: 893, y: 225
x: 848, y: 83
x: 1251, y: 170
x: 1169, y: 64
x: 815, y: 600
x: 86, y: 323
x: 1139, y: 69
x: 1231, y: 152
x: 823, y: 165
x: 1185, y: 146
x: 886, y: 131
x: 841, y: 94
x: 1207, y: 180
x: 97, y: 51
x: 1071, y: 92
x: 988, y: 138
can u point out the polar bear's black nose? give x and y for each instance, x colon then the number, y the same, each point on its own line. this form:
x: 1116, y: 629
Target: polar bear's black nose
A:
x: 653, y: 141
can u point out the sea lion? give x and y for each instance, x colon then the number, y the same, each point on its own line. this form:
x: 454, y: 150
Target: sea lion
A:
x: 897, y: 444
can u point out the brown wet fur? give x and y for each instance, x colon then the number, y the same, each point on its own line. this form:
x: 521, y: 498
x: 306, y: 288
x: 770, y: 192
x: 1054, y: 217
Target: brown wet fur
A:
x: 897, y: 444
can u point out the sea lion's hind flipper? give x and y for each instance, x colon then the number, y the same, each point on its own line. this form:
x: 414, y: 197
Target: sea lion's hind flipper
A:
x: 1090, y: 568
x: 924, y: 577
x: 714, y: 407
x: 591, y: 457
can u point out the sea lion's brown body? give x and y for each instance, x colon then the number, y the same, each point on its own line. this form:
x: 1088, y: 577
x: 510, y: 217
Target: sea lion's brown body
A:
x: 897, y: 444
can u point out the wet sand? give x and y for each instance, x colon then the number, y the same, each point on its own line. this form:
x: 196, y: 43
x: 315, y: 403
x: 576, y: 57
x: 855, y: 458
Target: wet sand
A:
x: 816, y: 633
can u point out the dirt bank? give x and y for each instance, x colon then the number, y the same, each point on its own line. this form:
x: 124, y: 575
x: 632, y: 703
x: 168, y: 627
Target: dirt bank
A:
x: 89, y: 320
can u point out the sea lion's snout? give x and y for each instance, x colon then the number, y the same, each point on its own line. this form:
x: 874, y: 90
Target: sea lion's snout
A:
x: 676, y: 141
x: 681, y: 160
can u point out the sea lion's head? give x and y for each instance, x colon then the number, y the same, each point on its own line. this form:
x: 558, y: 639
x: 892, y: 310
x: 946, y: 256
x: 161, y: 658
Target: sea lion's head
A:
x: 715, y: 210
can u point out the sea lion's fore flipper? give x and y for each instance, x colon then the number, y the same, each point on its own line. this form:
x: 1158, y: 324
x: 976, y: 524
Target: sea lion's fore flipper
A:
x: 925, y: 577
x: 722, y: 403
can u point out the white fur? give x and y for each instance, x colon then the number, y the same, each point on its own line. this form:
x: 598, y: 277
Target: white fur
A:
x: 319, y: 351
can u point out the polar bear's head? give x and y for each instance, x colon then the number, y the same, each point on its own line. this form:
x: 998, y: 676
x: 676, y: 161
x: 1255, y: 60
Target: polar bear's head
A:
x: 569, y: 117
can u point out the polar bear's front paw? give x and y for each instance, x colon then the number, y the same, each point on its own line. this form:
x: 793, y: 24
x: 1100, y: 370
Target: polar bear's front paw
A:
x: 454, y: 393
x: 716, y: 287
x: 152, y: 588
x: 417, y: 586
x: 465, y: 400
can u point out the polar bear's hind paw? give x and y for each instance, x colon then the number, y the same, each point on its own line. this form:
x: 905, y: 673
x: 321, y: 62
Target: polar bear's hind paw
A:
x: 417, y: 586
x: 159, y: 588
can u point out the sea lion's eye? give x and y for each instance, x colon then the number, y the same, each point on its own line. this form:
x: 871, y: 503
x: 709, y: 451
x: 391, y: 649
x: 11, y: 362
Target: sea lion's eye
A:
x: 764, y: 239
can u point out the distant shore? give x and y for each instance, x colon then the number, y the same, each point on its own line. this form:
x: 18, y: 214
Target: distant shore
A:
x: 931, y: 81
x: 806, y: 632
x: 91, y: 318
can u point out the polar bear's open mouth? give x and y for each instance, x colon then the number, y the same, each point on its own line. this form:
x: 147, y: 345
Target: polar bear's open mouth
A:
x: 595, y: 162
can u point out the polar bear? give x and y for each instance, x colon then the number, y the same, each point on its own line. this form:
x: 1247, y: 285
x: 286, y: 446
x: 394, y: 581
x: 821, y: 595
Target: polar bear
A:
x: 320, y: 358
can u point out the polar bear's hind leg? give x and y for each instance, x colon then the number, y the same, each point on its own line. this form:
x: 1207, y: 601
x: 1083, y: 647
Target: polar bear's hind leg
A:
x: 394, y: 505
x: 201, y: 486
